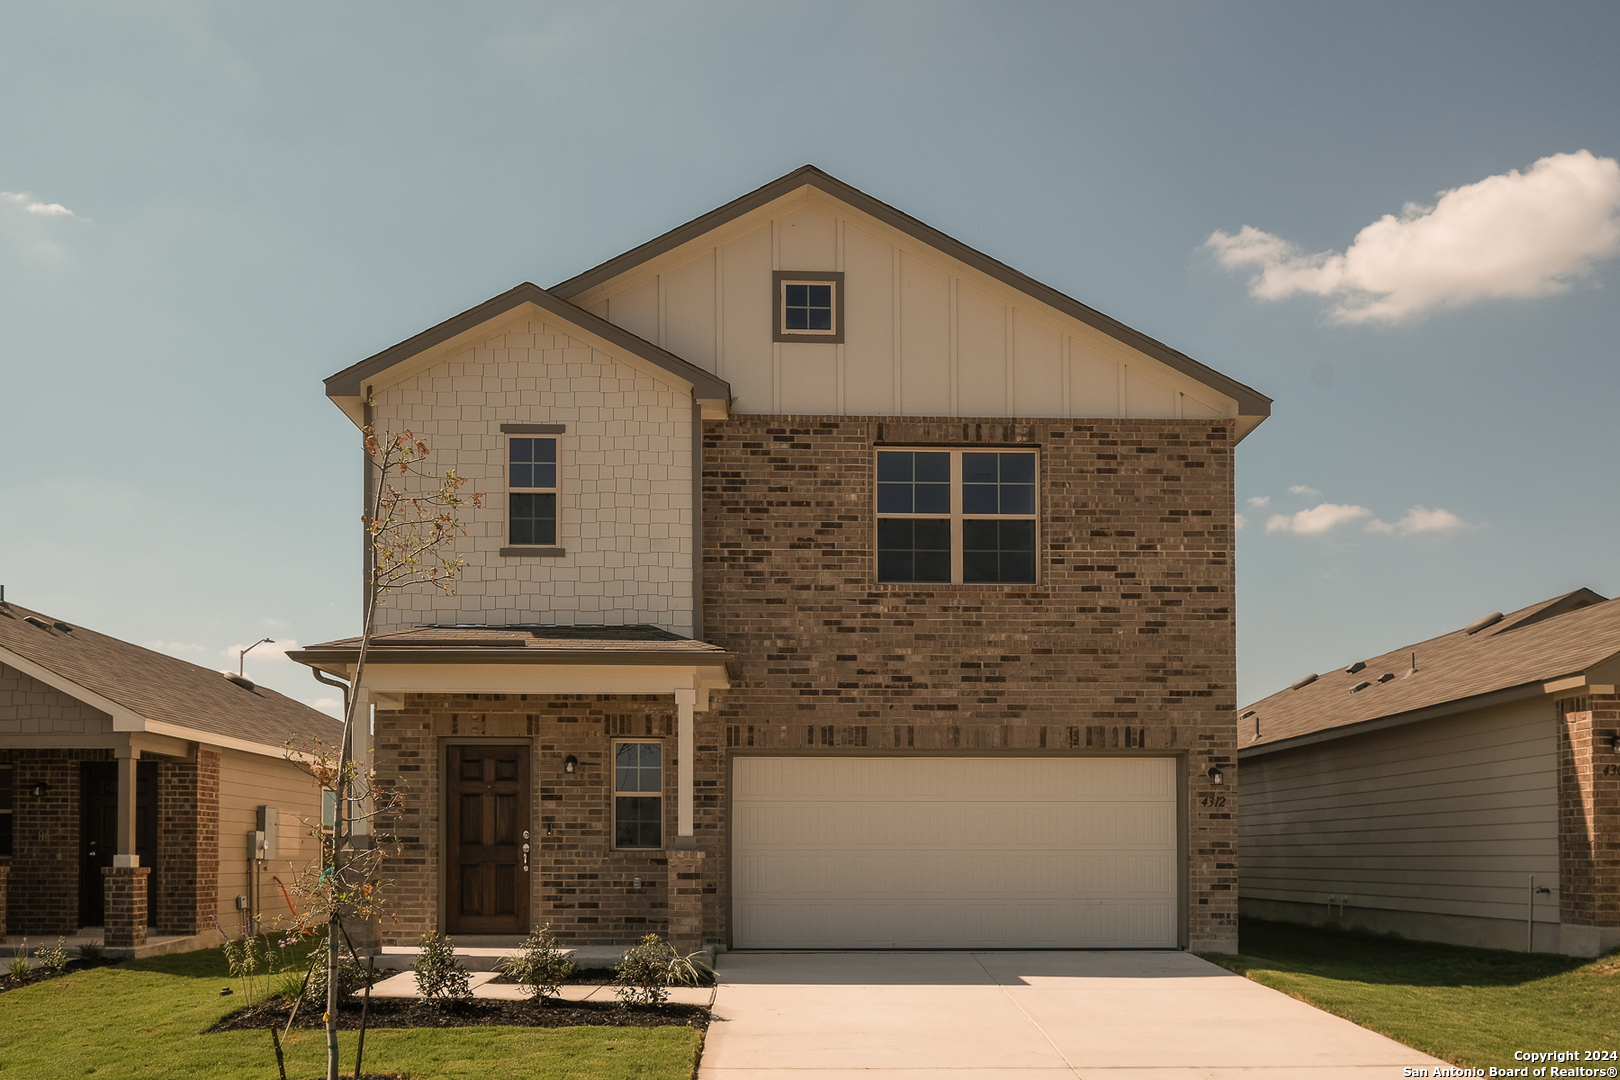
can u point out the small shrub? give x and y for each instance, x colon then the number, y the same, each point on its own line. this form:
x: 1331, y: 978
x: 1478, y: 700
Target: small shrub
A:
x: 93, y: 952
x: 440, y: 977
x: 649, y: 969
x: 54, y: 960
x: 351, y: 977
x: 250, y: 959
x: 541, y: 967
x: 19, y: 962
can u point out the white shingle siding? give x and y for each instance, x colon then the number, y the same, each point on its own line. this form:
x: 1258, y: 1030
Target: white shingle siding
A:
x: 625, y: 506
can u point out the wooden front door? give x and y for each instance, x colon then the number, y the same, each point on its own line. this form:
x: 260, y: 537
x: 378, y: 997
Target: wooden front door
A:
x: 98, y: 828
x: 488, y: 825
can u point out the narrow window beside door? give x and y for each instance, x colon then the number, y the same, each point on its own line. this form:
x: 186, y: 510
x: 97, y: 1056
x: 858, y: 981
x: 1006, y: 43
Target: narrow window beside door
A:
x: 638, y: 795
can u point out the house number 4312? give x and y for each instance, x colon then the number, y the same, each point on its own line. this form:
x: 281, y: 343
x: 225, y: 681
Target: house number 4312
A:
x: 1212, y: 800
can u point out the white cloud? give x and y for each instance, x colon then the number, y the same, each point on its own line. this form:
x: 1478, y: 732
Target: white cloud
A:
x: 1301, y: 489
x: 1259, y: 500
x: 185, y: 650
x: 1514, y: 235
x: 1239, y: 521
x: 30, y: 205
x: 1419, y: 520
x: 1318, y: 519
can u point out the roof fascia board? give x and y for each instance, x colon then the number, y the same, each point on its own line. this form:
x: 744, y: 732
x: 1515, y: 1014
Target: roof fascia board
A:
x: 143, y: 742
x: 381, y: 654
x: 1506, y: 696
x: 347, y: 387
x: 209, y: 738
x: 123, y: 717
x: 1251, y: 403
x: 393, y: 679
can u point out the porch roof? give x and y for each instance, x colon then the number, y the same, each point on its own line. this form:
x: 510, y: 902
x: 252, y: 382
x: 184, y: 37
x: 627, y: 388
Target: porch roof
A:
x: 529, y: 658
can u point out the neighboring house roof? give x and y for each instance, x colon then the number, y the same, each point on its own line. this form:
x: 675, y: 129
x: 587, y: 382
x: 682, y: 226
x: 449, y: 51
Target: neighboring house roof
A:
x: 1566, y: 644
x: 1251, y: 403
x: 144, y: 690
x: 347, y: 388
x: 523, y: 644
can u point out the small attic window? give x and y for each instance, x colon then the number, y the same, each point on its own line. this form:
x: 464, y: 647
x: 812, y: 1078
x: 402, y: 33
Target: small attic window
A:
x: 809, y: 306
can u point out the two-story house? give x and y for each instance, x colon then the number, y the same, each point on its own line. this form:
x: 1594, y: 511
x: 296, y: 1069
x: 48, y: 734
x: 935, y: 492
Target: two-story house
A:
x: 837, y: 586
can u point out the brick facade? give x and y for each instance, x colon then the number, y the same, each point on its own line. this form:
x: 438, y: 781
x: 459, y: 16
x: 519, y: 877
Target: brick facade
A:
x: 45, y: 863
x: 5, y: 874
x: 1589, y: 813
x: 188, y: 843
x: 126, y: 906
x: 1126, y: 645
x: 581, y: 886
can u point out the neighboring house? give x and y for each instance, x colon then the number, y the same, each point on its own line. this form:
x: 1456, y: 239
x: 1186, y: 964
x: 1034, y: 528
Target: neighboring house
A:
x: 130, y: 788
x: 1464, y: 789
x: 838, y: 586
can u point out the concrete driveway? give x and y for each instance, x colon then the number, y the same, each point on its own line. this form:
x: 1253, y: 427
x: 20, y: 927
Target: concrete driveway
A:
x: 1023, y: 1016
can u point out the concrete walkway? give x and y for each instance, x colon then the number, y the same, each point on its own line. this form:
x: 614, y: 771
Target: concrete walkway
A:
x: 1023, y: 1016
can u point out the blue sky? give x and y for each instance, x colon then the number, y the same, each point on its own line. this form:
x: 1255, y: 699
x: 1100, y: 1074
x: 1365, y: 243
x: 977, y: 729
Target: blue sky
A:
x: 207, y: 208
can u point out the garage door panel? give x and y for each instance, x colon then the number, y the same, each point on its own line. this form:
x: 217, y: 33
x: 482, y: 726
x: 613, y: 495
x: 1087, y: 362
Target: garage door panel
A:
x: 954, y: 852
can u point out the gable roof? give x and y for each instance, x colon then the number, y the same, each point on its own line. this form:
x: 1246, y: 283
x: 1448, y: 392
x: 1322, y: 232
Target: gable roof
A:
x: 347, y: 388
x: 1564, y: 644
x: 1251, y: 403
x: 146, y: 690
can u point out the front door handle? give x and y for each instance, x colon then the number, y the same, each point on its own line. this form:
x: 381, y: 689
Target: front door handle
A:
x: 525, y: 858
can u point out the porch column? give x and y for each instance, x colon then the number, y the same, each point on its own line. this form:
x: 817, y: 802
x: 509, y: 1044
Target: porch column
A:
x: 125, y: 884
x: 685, y: 704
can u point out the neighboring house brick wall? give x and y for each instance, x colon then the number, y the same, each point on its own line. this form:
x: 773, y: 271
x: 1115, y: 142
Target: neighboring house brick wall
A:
x: 30, y: 707
x: 1126, y: 645
x: 625, y: 501
x: 580, y: 885
x: 188, y: 843
x: 1589, y: 812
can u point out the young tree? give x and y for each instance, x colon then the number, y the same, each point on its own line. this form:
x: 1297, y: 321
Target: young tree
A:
x: 412, y: 518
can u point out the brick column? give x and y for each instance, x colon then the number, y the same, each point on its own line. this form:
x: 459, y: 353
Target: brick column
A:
x: 686, y: 901
x: 126, y: 905
x: 1589, y: 818
x: 5, y: 871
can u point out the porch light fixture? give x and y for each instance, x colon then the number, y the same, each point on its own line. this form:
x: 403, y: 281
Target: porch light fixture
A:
x: 570, y: 763
x: 1215, y: 775
x: 41, y: 789
x: 1614, y: 742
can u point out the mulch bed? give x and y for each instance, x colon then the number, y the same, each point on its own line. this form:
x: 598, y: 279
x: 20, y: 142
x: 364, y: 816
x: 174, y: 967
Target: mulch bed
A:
x: 414, y: 1013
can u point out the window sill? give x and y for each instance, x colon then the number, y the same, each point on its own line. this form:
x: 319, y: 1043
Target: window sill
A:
x: 532, y: 552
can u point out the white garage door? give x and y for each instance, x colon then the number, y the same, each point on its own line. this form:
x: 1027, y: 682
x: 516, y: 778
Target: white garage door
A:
x: 917, y: 852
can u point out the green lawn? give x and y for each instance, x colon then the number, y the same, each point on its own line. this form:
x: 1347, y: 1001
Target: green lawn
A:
x: 146, y: 1018
x: 1471, y: 1007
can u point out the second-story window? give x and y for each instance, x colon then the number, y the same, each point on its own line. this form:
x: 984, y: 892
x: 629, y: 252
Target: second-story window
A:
x: 956, y: 516
x: 531, y: 485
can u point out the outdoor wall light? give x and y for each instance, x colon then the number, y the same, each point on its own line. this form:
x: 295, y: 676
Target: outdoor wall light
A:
x: 570, y: 763
x: 1215, y: 775
x: 1614, y: 742
x: 41, y: 789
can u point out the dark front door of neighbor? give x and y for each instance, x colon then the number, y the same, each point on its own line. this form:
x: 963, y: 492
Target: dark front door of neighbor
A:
x: 488, y: 822
x: 98, y: 818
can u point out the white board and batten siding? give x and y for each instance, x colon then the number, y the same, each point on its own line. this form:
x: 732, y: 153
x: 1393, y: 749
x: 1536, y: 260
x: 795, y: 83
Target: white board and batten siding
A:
x: 925, y: 335
x: 1447, y: 817
x: 954, y: 852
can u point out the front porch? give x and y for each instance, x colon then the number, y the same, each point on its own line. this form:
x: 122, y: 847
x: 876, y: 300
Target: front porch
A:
x: 107, y: 842
x: 521, y: 809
